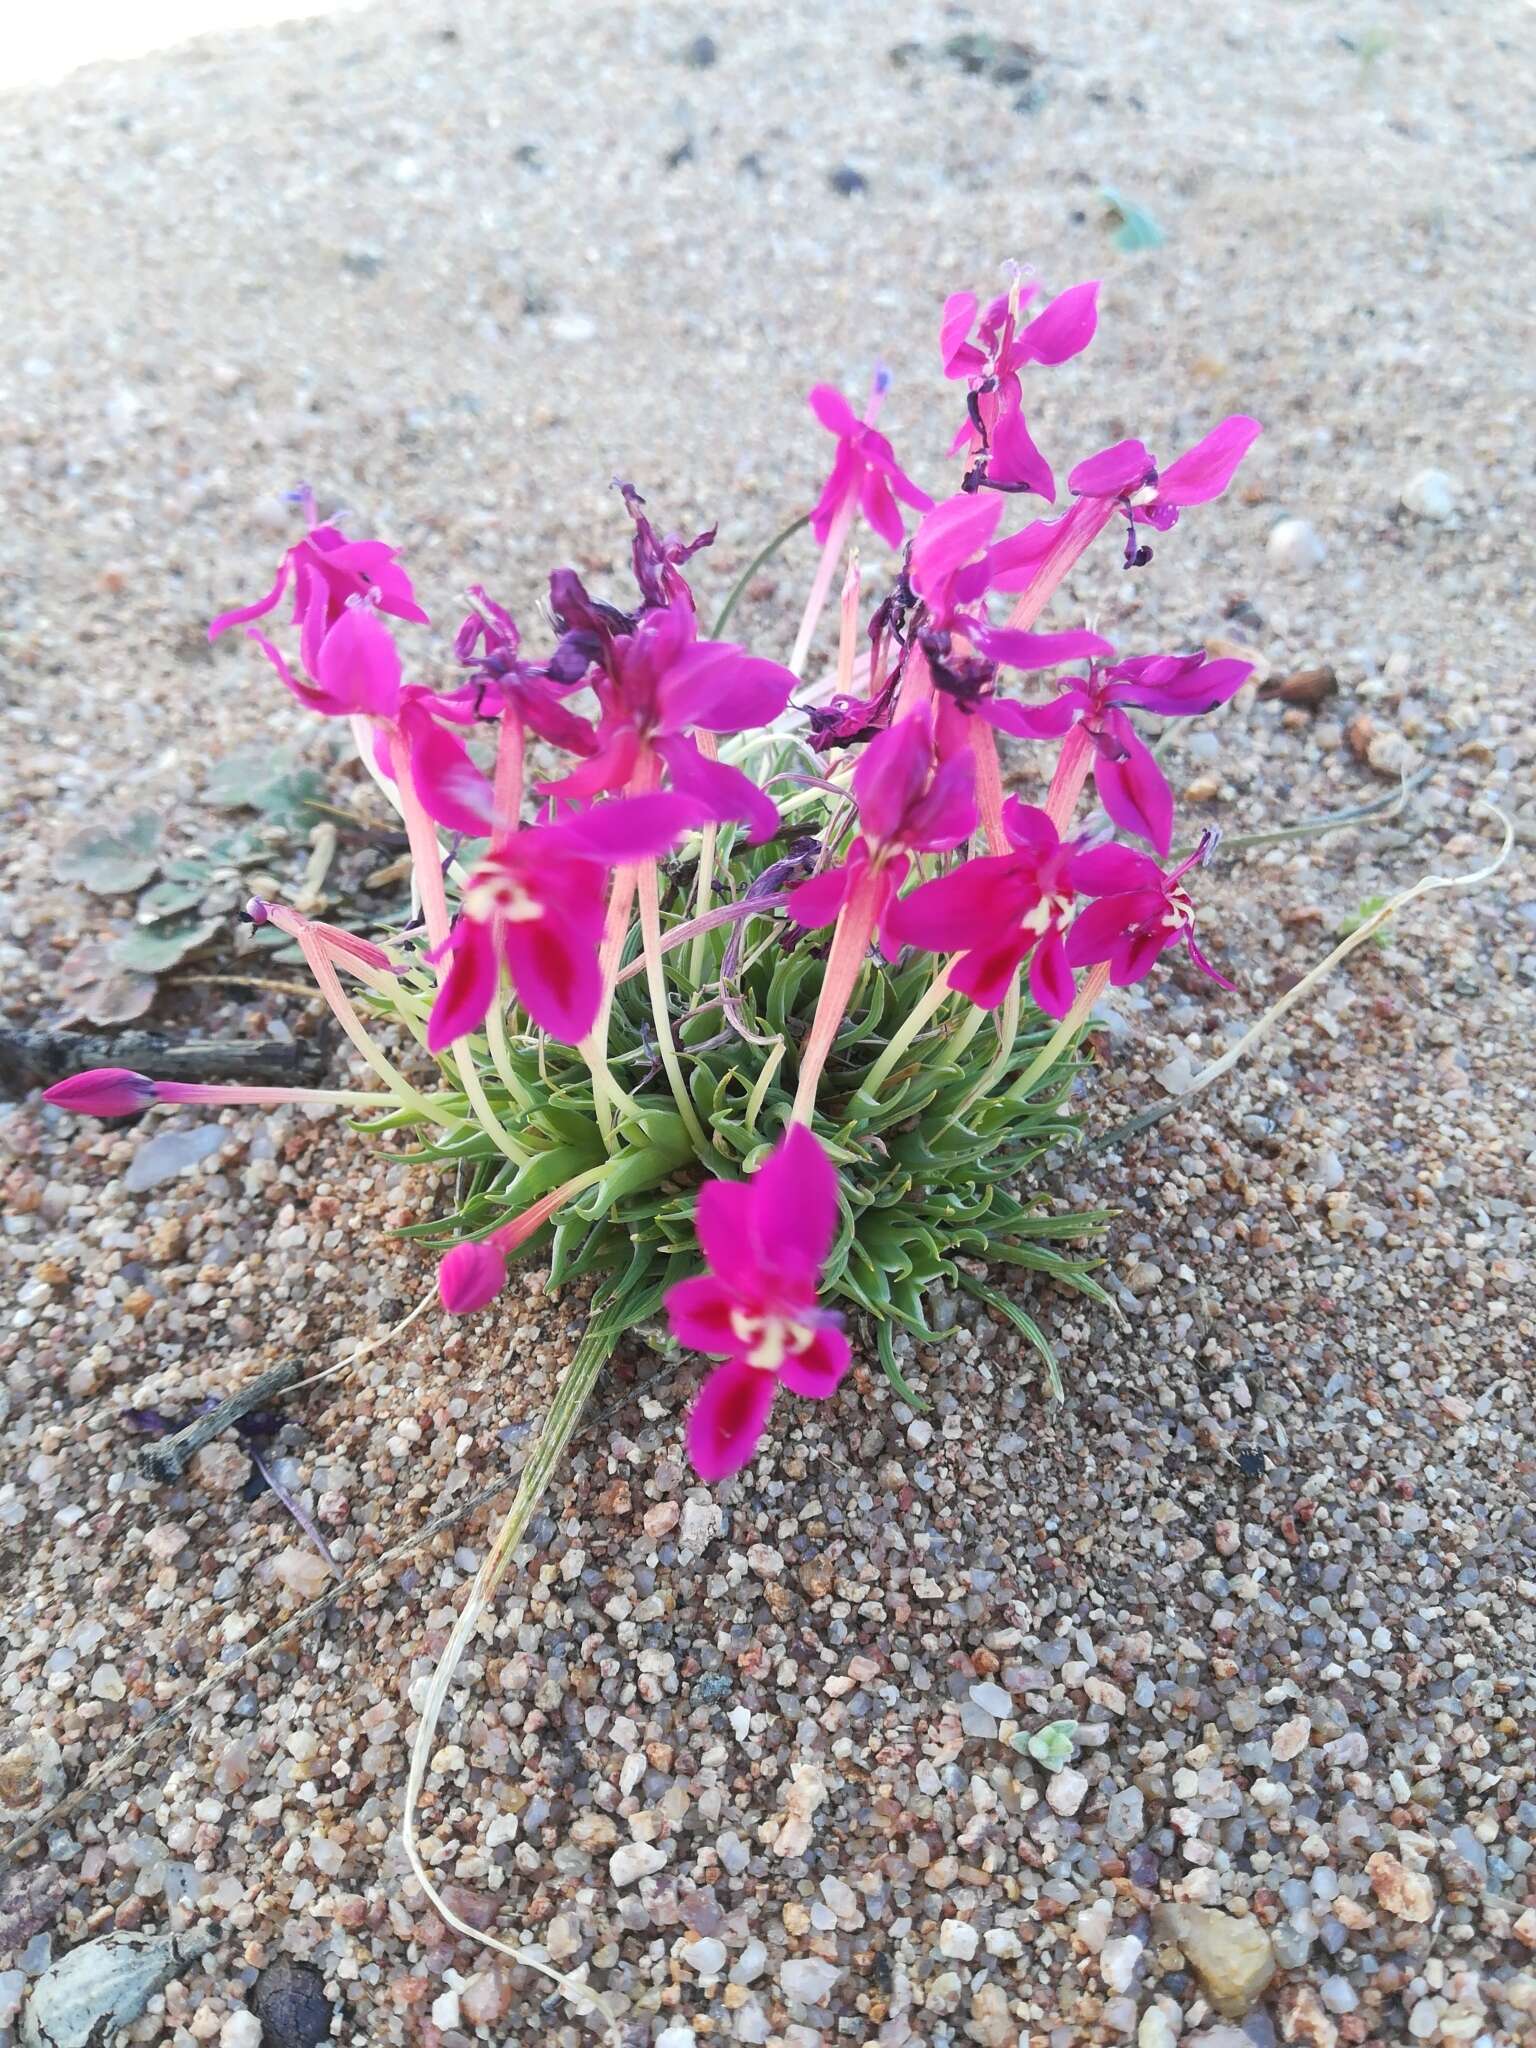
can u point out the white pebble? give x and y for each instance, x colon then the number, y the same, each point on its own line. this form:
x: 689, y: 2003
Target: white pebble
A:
x: 1066, y: 1791
x: 1430, y: 495
x: 808, y: 1980
x: 635, y: 1860
x: 1118, y: 1960
x: 1295, y: 547
x: 1094, y: 1923
x: 705, y: 1957
x: 241, y: 2030
x: 957, y: 1940
x: 1156, y: 2029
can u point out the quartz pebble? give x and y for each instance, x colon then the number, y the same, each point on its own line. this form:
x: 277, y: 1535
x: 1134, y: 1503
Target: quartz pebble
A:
x: 1294, y: 547
x: 1233, y: 1958
x: 1408, y: 1894
x: 808, y: 1980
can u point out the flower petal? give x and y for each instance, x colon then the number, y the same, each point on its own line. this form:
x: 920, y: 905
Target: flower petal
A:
x: 946, y: 539
x: 555, y: 973
x: 468, y: 988
x: 359, y: 663
x: 815, y: 1373
x: 728, y: 1417
x: 794, y: 1209
x: 1040, y: 650
x: 627, y: 828
x: 470, y: 1276
x: 1113, y: 471
x: 833, y: 410
x: 454, y: 793
x: 1205, y: 470
x: 715, y: 685
x: 722, y: 1218
x: 1014, y: 459
x: 818, y: 901
x: 1064, y: 329
x: 103, y: 1091
x: 1135, y: 792
x: 1050, y: 978
x: 715, y: 790
x: 699, y: 1314
x: 986, y: 973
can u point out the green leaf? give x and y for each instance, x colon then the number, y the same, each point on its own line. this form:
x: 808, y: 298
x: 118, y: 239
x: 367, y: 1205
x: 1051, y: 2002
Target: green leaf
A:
x: 155, y: 949
x: 270, y: 780
x: 167, y: 898
x: 1137, y: 229
x: 886, y: 1347
x: 1051, y: 1746
x: 112, y: 863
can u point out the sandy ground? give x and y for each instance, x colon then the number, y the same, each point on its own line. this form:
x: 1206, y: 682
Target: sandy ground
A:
x: 458, y: 265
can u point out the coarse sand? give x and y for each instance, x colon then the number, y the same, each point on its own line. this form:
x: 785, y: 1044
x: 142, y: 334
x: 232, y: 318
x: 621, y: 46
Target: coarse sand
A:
x: 746, y: 1757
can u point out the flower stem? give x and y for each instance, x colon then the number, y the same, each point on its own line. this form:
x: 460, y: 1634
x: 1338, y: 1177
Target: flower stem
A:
x: 656, y: 981
x: 196, y: 1091
x: 507, y: 791
x: 426, y: 854
x: 704, y: 895
x: 607, y: 1095
x: 989, y: 786
x: 821, y: 583
x: 1072, y: 765
x: 850, y: 943
x: 1092, y: 988
x: 321, y: 967
x: 501, y: 1056
x: 927, y: 1007
x: 479, y: 1102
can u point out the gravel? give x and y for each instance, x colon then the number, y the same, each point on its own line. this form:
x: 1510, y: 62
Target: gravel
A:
x: 439, y: 265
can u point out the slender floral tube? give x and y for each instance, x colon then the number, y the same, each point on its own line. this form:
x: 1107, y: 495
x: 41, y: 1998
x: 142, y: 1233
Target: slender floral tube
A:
x: 821, y: 583
x: 426, y: 854
x: 1094, y: 984
x: 850, y: 944
x: 704, y: 895
x: 656, y: 981
x: 119, y: 1091
x: 1072, y: 766
x: 321, y: 967
x: 511, y: 743
x: 989, y: 786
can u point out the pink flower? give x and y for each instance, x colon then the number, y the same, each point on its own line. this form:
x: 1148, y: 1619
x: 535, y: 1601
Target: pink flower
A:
x: 536, y: 906
x: 656, y: 686
x: 471, y: 1275
x: 1148, y: 912
x: 910, y: 801
x: 1003, y: 451
x: 865, y: 472
x: 489, y: 644
x: 765, y: 1240
x: 1148, y: 497
x: 1131, y: 786
x: 997, y: 911
x: 103, y: 1091
x: 327, y: 570
x: 354, y: 671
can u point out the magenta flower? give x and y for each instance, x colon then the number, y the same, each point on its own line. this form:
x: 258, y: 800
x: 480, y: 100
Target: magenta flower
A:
x: 354, y: 671
x: 1001, y: 909
x: 910, y: 801
x: 536, y: 907
x: 1149, y: 497
x: 765, y: 1240
x: 995, y: 431
x: 472, y: 1275
x: 656, y: 686
x: 1148, y: 912
x: 865, y: 473
x: 1131, y: 786
x: 103, y: 1091
x: 489, y: 644
x: 327, y: 571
